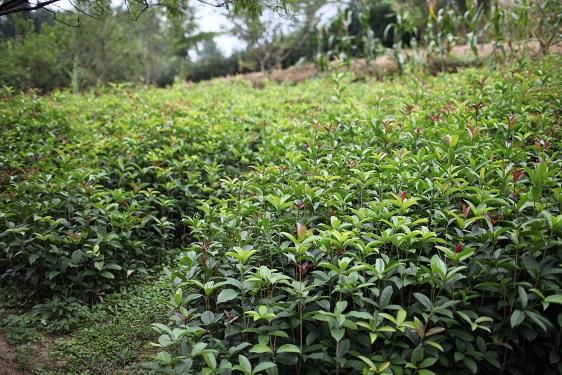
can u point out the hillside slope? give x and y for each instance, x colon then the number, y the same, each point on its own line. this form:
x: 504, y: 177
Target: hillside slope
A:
x: 333, y: 226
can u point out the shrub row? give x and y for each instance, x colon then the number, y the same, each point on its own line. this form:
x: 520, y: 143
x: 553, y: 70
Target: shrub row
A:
x: 93, y: 187
x: 411, y: 227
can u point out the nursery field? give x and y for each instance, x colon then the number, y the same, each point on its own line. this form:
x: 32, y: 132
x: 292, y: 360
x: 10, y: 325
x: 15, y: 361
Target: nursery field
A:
x: 336, y: 226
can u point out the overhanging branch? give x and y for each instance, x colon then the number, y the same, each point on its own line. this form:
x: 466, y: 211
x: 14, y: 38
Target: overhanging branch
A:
x: 15, y: 6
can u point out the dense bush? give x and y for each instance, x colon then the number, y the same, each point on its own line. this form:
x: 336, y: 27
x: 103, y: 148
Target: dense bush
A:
x: 94, y: 187
x: 402, y: 228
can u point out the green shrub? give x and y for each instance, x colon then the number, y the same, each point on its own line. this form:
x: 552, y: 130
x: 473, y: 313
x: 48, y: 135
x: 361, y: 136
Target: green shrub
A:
x: 94, y: 187
x: 404, y: 228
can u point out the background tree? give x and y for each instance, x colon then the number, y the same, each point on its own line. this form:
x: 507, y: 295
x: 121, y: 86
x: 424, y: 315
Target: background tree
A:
x: 123, y: 45
x: 270, y: 37
x: 210, y: 62
x: 252, y: 6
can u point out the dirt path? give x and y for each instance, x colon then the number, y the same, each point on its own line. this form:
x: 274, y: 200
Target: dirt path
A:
x: 8, y: 365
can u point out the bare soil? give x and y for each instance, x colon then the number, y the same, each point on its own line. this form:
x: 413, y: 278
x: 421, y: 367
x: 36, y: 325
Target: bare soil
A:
x: 8, y: 364
x: 461, y: 55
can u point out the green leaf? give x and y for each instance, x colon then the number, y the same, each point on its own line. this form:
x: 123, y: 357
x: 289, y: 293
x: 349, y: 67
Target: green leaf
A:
x: 260, y: 349
x: 76, y: 256
x: 337, y: 333
x: 470, y: 364
x: 226, y: 295
x: 107, y: 275
x: 523, y: 299
x: 517, y: 318
x: 360, y: 315
x: 555, y: 298
x: 165, y: 340
x: 422, y: 298
x: 367, y: 361
x: 238, y: 348
x: 434, y: 344
x: 386, y: 294
x: 264, y: 366
x: 428, y: 362
x: 400, y: 316
x: 438, y: 266
x: 34, y: 257
x: 538, y: 319
x: 434, y: 331
x: 245, y: 364
x: 207, y: 317
x: 340, y: 306
x: 417, y: 353
x: 178, y: 295
x: 164, y: 358
x: 113, y: 266
x: 482, y: 319
x: 226, y: 365
x: 288, y: 348
x: 210, y: 359
x: 279, y: 333
x: 198, y: 348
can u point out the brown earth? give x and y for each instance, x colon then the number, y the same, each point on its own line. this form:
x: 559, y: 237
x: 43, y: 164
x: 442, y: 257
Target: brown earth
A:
x: 8, y: 364
x: 461, y: 55
x: 32, y: 358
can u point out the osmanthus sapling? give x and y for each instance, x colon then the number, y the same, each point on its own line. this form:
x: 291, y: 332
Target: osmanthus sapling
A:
x: 373, y: 250
x: 352, y: 246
